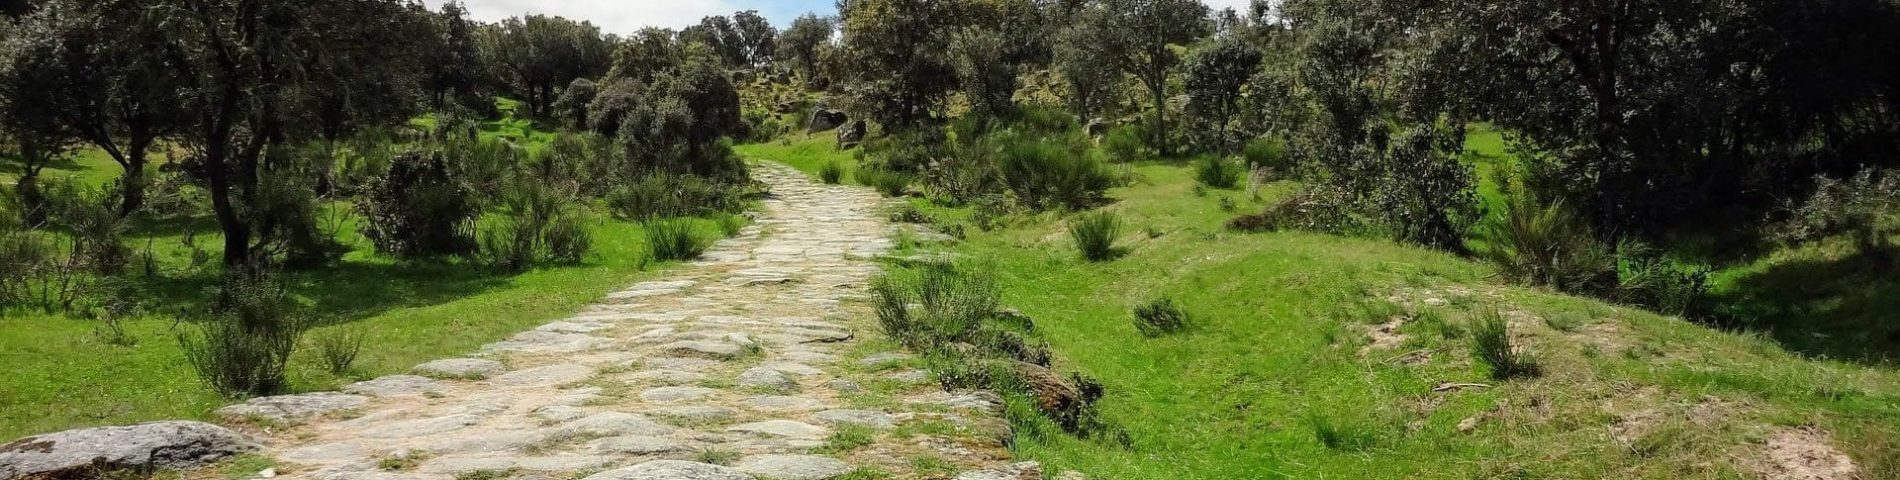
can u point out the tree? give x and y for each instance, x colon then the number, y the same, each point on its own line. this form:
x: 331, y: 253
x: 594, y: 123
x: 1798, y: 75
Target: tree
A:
x: 680, y: 121
x: 34, y: 136
x: 617, y: 98
x: 115, y: 88
x: 757, y: 38
x: 1090, y: 83
x: 539, y: 54
x: 245, y: 58
x: 1145, y: 33
x: 572, y: 106
x: 649, y: 52
x: 894, y: 52
x: 454, y: 61
x: 719, y: 33
x: 980, y: 57
x: 1215, y: 76
x: 799, y: 45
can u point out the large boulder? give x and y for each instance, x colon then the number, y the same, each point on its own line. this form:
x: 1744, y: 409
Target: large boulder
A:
x: 144, y: 447
x: 825, y: 119
x: 850, y: 134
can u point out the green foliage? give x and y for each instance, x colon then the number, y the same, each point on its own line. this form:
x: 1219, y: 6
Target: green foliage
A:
x: 832, y: 172
x: 1094, y: 235
x: 1547, y: 245
x: 1052, y: 173
x: 243, y: 347
x: 420, y: 208
x: 337, y: 348
x: 1491, y: 345
x: 1319, y: 208
x: 1216, y: 172
x: 1160, y: 318
x: 659, y: 195
x: 1270, y: 153
x: 674, y: 239
x: 539, y: 225
x: 1341, y: 435
x: 888, y: 182
x: 1124, y: 144
x: 1427, y: 195
x: 1214, y: 76
x: 1862, y: 208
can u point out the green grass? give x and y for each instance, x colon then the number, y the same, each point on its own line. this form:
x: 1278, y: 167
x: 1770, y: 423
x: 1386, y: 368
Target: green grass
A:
x: 1271, y: 381
x: 808, y: 154
x: 62, y: 375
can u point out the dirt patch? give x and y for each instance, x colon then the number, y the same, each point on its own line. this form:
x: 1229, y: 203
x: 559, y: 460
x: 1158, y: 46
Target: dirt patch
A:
x: 1386, y: 336
x: 1805, y: 453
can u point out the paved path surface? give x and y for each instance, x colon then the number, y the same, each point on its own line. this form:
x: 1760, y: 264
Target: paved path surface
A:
x: 760, y: 360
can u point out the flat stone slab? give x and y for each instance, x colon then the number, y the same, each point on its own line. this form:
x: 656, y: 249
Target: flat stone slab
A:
x: 866, y: 418
x: 635, y: 445
x: 676, y: 394
x: 681, y: 364
x: 292, y: 408
x: 766, y: 377
x: 783, y: 403
x: 464, y: 464
x: 793, y: 467
x: 459, y: 368
x: 695, y: 413
x: 422, y: 427
x: 543, y: 376
x: 165, y: 445
x: 536, y: 341
x: 672, y: 470
x: 703, y: 349
x: 615, y: 423
x: 394, y: 385
x: 782, y: 428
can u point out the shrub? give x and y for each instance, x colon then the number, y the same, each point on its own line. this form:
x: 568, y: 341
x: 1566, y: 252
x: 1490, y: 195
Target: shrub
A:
x: 1645, y: 279
x: 1858, y: 207
x: 1094, y: 235
x: 1547, y: 245
x: 568, y: 239
x: 1268, y: 153
x: 1319, y: 208
x: 539, y: 225
x: 1491, y: 345
x: 832, y: 172
x: 245, y: 345
x: 419, y: 209
x: 1216, y: 172
x: 1124, y: 144
x: 337, y: 348
x: 658, y: 195
x: 1160, y: 317
x: 888, y: 182
x: 1049, y: 174
x: 674, y: 239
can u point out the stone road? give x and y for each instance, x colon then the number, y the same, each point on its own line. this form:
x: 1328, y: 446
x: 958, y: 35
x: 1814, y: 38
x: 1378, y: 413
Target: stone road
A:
x: 760, y: 360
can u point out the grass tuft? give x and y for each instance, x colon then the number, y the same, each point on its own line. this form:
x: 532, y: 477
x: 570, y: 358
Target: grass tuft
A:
x: 1094, y: 235
x: 1491, y: 345
x: 674, y: 239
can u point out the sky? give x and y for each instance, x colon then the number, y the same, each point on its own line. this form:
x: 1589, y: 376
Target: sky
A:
x: 627, y: 16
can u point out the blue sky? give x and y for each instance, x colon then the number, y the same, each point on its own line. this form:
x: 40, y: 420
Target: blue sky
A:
x: 626, y: 16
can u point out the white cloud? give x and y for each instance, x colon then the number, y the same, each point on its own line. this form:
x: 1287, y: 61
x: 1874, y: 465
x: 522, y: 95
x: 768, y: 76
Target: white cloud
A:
x: 613, y: 16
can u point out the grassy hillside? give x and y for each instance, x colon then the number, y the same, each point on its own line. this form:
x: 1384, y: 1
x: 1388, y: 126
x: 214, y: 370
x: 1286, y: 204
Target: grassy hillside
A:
x: 1317, y: 356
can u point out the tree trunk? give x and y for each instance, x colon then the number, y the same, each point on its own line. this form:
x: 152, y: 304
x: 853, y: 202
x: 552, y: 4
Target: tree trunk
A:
x: 1160, y: 91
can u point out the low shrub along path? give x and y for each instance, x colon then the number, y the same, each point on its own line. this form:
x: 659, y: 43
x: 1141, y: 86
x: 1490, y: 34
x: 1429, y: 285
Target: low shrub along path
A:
x: 759, y: 359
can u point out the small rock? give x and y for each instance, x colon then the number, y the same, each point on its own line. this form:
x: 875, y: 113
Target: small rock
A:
x: 1015, y: 471
x: 793, y: 467
x: 1469, y: 424
x: 884, y: 359
x: 460, y: 368
x: 163, y: 445
x: 1436, y: 302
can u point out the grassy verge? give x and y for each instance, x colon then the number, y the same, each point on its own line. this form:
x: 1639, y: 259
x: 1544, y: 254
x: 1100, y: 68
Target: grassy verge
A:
x: 1315, y: 356
x: 807, y: 153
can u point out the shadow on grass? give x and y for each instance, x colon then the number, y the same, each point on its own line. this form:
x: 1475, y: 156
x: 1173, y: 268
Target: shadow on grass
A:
x: 1846, y: 308
x: 343, y: 293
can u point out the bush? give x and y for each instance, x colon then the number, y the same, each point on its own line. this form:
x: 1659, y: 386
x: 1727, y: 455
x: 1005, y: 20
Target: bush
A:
x: 337, y: 348
x: 1547, y: 245
x: 568, y: 239
x: 888, y: 182
x: 1860, y: 207
x: 1666, y: 286
x: 659, y: 195
x: 540, y: 225
x: 674, y: 239
x: 1124, y: 144
x: 1049, y: 174
x: 832, y: 172
x: 1318, y: 208
x: 1094, y: 235
x: 1427, y: 196
x: 1160, y: 317
x: 419, y: 209
x: 1491, y: 345
x: 1268, y: 153
x: 245, y: 345
x: 1216, y: 172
